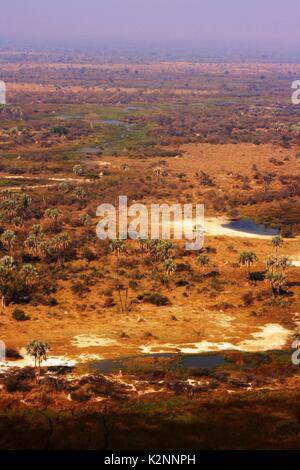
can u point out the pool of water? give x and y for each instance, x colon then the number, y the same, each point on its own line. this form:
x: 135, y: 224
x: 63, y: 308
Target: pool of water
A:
x: 111, y: 122
x: 94, y: 150
x: 174, y: 361
x: 249, y: 226
x: 69, y: 116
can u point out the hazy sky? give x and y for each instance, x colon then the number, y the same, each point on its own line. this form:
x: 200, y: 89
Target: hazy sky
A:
x: 241, y: 21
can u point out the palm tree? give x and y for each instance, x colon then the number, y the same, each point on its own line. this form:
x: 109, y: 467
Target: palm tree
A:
x: 283, y: 263
x: 163, y: 249
x: 169, y: 266
x: 247, y: 258
x: 203, y: 260
x: 277, y: 242
x: 44, y: 248
x: 117, y: 246
x: 85, y: 219
x: 64, y: 240
x: 29, y: 274
x: 39, y: 351
x: 78, y: 170
x: 61, y: 242
x: 7, y: 239
x: 158, y: 171
x: 91, y: 118
x: 64, y: 187
x: 151, y: 245
x: 80, y: 193
x: 143, y: 245
x: 278, y: 263
x: 124, y: 304
x: 17, y: 222
x: 271, y: 263
x: 277, y: 282
x: 53, y: 214
x: 35, y: 239
x: 7, y: 268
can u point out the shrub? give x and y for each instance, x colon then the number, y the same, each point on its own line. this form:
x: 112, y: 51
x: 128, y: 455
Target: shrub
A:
x: 248, y: 299
x: 183, y: 267
x: 182, y: 283
x: 109, y: 302
x: 51, y: 302
x: 154, y: 298
x: 80, y: 289
x: 19, y: 315
x: 88, y: 254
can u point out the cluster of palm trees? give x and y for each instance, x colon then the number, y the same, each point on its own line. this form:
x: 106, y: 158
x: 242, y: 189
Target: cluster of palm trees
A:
x: 276, y: 266
x: 14, y: 204
x: 13, y: 277
x: 39, y: 245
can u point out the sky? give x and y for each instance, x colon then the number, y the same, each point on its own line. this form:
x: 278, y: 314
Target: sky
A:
x: 265, y: 22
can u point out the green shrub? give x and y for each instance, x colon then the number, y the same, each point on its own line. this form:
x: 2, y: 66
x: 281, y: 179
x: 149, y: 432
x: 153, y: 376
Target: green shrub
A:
x: 19, y: 315
x: 154, y: 298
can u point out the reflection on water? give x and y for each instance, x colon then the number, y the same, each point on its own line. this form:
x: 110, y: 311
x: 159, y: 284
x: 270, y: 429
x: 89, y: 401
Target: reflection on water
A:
x: 89, y: 150
x: 249, y: 226
x: 174, y: 360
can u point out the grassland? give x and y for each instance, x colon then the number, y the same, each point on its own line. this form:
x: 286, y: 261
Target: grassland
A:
x: 77, y: 135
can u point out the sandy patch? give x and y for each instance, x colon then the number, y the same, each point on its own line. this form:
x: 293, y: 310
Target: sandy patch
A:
x: 270, y: 337
x: 295, y: 263
x: 89, y: 357
x: 28, y: 361
x: 87, y: 341
x: 213, y: 226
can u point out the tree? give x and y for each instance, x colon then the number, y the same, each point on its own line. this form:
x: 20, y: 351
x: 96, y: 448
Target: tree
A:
x: 117, y: 247
x: 61, y: 242
x: 78, y: 170
x: 35, y: 240
x: 143, y: 245
x: 124, y: 304
x: 64, y: 187
x: 271, y: 263
x: 39, y: 351
x: 151, y: 245
x: 248, y: 258
x: 91, y: 118
x: 203, y: 260
x: 163, y: 249
x: 53, y: 214
x: 277, y: 281
x: 84, y: 219
x: 7, y: 268
x: 278, y: 264
x: 14, y: 203
x: 80, y: 193
x: 283, y: 263
x: 169, y: 266
x: 7, y: 239
x: 14, y: 279
x: 29, y: 274
x: 277, y: 242
x: 17, y: 222
x: 276, y: 272
x: 159, y: 172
